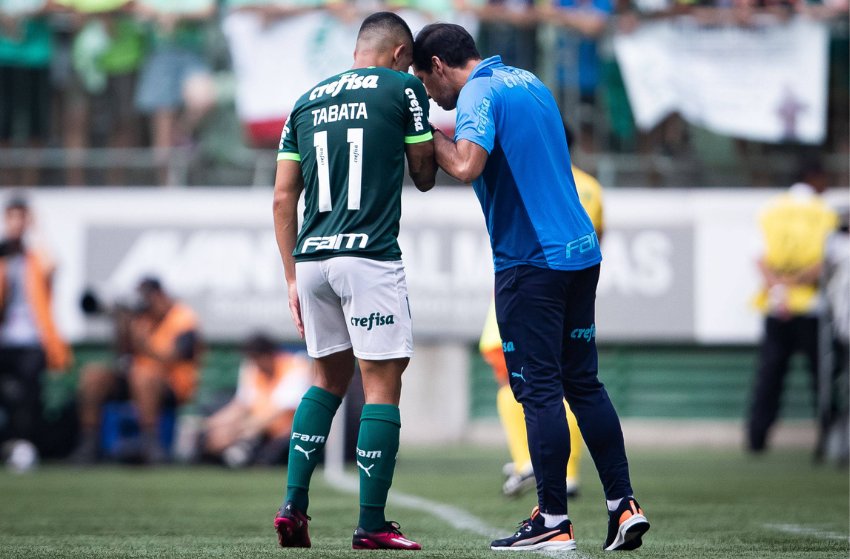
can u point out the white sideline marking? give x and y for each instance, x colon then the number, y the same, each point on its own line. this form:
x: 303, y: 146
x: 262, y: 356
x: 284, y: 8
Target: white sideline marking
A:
x: 806, y: 531
x: 460, y: 518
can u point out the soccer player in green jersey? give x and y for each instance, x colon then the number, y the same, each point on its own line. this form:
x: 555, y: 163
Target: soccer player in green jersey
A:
x: 344, y: 145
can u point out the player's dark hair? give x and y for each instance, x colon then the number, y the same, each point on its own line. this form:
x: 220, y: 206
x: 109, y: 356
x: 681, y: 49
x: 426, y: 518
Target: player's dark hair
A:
x: 386, y: 23
x: 449, y: 42
x: 150, y: 284
x: 259, y: 344
x: 17, y: 202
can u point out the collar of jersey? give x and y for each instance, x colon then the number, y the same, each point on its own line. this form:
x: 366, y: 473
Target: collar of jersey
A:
x: 487, y: 62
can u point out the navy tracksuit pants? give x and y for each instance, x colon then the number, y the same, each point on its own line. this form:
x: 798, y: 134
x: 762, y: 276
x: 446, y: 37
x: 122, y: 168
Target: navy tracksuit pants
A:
x: 547, y: 323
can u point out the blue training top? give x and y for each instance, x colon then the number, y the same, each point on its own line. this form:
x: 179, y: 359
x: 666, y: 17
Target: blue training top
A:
x: 527, y: 190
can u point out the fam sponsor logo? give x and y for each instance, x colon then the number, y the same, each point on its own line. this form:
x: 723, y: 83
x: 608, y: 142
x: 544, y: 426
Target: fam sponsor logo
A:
x: 584, y: 333
x: 508, y: 347
x: 345, y: 81
x: 307, y: 438
x: 374, y: 319
x: 582, y: 244
x: 368, y: 453
x: 416, y: 109
x: 335, y: 242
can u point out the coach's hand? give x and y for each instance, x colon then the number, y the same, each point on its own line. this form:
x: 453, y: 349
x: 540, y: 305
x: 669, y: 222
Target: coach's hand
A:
x: 295, y: 308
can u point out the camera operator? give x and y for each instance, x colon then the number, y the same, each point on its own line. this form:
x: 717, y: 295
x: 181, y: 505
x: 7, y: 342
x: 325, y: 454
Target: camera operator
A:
x: 158, y: 352
x: 29, y: 341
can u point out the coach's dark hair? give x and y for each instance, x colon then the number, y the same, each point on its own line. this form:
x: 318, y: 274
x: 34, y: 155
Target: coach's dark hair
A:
x: 386, y: 23
x: 449, y: 42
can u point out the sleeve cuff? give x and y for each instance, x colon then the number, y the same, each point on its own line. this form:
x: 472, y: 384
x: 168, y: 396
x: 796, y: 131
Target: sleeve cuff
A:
x: 288, y: 156
x: 477, y: 141
x: 419, y: 139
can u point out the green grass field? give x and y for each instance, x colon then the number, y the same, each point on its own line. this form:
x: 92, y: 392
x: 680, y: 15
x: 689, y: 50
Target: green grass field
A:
x: 701, y: 504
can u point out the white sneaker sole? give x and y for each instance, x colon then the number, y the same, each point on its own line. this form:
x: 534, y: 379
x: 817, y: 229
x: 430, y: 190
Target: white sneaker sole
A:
x: 568, y: 545
x: 634, y: 527
x: 517, y: 484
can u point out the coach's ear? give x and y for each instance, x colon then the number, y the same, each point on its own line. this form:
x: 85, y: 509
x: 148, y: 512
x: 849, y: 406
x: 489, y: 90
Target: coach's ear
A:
x: 437, y: 66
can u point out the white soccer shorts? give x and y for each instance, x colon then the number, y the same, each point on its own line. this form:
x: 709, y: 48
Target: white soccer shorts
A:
x: 355, y: 302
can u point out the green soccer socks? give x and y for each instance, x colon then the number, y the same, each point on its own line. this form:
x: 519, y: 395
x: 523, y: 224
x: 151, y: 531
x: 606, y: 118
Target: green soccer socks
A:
x: 310, y: 429
x: 377, y: 447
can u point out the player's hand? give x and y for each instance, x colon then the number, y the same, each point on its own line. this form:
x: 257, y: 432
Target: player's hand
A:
x: 295, y: 309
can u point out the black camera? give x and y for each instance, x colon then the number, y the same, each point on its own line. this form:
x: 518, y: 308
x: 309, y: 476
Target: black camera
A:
x: 93, y: 305
x: 11, y: 247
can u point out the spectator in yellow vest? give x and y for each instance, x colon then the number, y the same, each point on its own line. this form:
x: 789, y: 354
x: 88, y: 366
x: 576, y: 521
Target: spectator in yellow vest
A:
x: 795, y: 227
x: 254, y: 427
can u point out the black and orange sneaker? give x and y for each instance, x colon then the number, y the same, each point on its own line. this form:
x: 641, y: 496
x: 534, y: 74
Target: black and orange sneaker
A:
x: 388, y: 537
x: 534, y: 535
x: 291, y: 527
x: 626, y: 526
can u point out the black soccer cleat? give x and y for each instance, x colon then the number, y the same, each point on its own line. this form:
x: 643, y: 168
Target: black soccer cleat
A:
x: 291, y: 527
x: 534, y: 535
x: 626, y: 526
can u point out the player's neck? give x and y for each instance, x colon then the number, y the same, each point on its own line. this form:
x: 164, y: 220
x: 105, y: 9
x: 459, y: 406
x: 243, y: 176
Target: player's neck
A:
x: 372, y: 58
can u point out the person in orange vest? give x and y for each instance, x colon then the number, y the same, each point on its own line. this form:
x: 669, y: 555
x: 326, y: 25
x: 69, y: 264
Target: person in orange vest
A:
x: 255, y: 425
x: 29, y: 340
x: 159, y: 369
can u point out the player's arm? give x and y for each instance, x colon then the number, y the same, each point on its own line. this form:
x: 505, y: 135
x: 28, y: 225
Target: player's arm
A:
x: 809, y: 275
x: 418, y: 139
x: 463, y: 160
x: 187, y: 346
x: 288, y: 185
x: 421, y: 164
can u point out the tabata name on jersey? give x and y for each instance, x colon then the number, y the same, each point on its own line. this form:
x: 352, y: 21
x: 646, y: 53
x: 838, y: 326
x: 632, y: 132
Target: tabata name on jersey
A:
x: 345, y: 81
x: 333, y: 113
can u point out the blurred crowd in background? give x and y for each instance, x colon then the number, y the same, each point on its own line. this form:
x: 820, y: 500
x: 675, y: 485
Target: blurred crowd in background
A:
x: 158, y: 92
x: 96, y: 93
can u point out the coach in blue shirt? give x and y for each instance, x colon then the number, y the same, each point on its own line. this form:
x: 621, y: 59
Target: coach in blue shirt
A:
x: 510, y: 144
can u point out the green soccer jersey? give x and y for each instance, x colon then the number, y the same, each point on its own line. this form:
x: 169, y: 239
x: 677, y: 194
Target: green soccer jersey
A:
x: 349, y: 132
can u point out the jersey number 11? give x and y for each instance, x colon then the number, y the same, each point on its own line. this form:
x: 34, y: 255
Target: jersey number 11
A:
x: 355, y: 168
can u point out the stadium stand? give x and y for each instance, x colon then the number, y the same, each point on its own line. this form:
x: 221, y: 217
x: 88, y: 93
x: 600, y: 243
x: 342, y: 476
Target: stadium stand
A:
x: 84, y: 140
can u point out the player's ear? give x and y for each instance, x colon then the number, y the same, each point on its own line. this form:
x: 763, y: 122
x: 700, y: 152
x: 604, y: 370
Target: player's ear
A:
x: 402, y: 57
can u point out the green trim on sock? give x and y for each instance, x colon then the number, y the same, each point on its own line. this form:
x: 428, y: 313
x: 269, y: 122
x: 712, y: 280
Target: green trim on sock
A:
x: 321, y: 396
x: 381, y: 412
